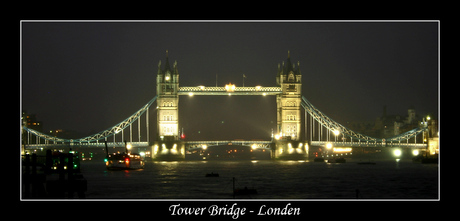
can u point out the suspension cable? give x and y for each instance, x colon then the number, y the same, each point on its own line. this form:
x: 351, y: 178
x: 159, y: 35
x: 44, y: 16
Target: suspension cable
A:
x: 101, y: 135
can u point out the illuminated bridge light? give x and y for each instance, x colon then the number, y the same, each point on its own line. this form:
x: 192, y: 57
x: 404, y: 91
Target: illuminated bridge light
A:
x: 397, y: 153
x: 342, y: 149
x: 336, y: 132
x: 230, y: 87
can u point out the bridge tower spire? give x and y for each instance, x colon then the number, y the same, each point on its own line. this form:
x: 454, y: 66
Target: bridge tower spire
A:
x: 288, y: 102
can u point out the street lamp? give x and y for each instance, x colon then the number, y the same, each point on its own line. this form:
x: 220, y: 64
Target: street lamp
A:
x: 336, y: 133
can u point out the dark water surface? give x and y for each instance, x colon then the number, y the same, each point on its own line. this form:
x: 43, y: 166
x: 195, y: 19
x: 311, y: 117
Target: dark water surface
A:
x: 387, y: 179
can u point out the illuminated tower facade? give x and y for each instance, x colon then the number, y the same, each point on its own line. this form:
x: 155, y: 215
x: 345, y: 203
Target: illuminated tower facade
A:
x: 288, y: 103
x: 168, y: 101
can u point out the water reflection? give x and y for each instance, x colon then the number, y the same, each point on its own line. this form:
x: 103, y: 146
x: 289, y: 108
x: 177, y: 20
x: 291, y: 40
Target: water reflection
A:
x: 397, y: 163
x: 291, y: 162
x: 167, y: 170
x: 126, y: 172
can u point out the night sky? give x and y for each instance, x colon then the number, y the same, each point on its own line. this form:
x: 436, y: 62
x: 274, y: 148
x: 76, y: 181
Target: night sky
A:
x: 89, y: 76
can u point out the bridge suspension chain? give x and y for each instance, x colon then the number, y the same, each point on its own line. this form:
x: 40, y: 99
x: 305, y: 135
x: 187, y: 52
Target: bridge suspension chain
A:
x: 407, y: 135
x: 334, y: 126
x: 101, y: 135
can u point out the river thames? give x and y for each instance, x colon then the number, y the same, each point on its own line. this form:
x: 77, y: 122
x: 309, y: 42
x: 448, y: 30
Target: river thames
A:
x: 387, y: 179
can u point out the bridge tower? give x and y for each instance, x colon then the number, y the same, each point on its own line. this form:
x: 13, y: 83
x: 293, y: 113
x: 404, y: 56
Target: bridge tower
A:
x: 288, y: 103
x: 168, y: 111
x: 289, y: 111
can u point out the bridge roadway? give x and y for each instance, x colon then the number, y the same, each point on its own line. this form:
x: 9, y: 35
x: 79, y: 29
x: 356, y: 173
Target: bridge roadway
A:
x: 191, y: 145
x: 86, y: 144
x: 369, y: 144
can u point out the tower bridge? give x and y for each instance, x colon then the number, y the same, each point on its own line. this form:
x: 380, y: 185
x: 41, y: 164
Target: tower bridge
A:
x: 292, y: 138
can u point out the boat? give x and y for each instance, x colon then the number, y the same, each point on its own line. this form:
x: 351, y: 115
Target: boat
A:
x: 337, y: 160
x: 123, y: 161
x: 242, y: 191
x: 319, y: 159
x: 212, y: 174
x: 425, y: 159
x: 429, y: 160
x: 55, y: 159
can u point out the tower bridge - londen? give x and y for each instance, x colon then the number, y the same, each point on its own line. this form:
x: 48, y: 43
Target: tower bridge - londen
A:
x: 291, y: 139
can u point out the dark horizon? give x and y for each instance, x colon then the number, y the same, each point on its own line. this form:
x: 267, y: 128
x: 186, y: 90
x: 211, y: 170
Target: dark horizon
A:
x: 89, y: 76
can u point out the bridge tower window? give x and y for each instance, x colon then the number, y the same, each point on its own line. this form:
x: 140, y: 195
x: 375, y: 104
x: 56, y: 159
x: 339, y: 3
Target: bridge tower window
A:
x: 168, y: 104
x: 290, y: 103
x: 291, y: 77
x: 168, y: 118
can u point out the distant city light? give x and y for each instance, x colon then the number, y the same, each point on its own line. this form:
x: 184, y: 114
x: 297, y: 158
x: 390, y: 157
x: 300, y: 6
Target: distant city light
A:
x: 155, y: 149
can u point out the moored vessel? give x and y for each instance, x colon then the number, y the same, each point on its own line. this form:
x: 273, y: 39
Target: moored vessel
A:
x: 123, y: 161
